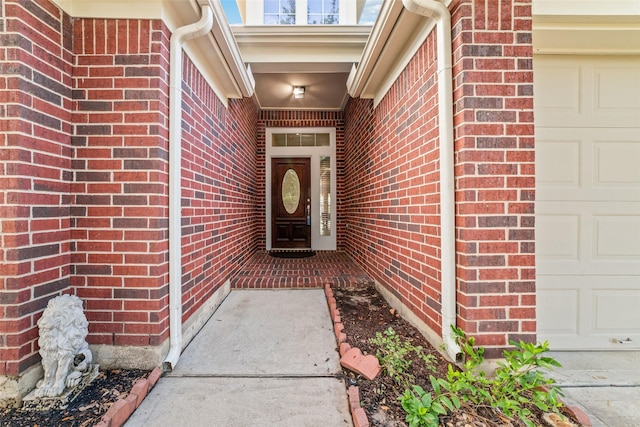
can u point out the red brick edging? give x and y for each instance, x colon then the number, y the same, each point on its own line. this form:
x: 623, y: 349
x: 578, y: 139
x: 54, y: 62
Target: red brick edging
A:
x: 364, y: 367
x: 359, y: 364
x: 122, y: 409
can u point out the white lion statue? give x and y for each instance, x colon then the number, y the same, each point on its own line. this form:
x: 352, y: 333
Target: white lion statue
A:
x: 64, y: 350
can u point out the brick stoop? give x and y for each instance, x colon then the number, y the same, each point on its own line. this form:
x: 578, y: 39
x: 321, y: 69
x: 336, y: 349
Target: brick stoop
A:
x: 263, y: 271
x: 122, y: 409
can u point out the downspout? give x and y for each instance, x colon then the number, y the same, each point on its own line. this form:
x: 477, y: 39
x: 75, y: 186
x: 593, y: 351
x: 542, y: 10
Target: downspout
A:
x: 180, y: 35
x: 439, y: 12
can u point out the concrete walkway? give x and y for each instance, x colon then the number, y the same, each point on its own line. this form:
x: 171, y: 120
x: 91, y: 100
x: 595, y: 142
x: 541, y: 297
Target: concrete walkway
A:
x: 604, y: 384
x: 265, y: 358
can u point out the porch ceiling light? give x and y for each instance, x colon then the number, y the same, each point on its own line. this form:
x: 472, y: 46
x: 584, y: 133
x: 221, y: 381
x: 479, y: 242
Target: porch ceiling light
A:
x: 298, y: 92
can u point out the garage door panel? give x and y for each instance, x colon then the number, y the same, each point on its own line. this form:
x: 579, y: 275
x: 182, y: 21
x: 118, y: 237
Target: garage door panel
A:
x: 588, y: 238
x: 559, y: 164
x: 564, y: 97
x: 617, y: 163
x: 616, y: 89
x: 587, y: 92
x: 596, y: 312
x: 587, y: 164
x: 616, y: 238
x: 617, y: 312
x: 558, y: 315
x: 558, y: 237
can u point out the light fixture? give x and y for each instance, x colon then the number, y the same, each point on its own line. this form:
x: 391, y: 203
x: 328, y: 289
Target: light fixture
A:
x: 298, y: 92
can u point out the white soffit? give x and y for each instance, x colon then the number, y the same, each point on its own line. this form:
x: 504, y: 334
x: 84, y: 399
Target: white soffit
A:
x: 301, y: 44
x: 586, y: 27
x: 395, y: 38
x: 216, y: 55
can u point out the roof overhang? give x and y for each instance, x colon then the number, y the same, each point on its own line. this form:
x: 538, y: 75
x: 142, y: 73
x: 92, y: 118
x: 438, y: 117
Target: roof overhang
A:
x: 318, y: 57
x: 395, y: 38
x: 216, y: 55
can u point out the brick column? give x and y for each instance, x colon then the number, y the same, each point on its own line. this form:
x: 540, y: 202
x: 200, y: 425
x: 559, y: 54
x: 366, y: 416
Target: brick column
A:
x: 120, y: 190
x: 35, y: 172
x: 493, y: 84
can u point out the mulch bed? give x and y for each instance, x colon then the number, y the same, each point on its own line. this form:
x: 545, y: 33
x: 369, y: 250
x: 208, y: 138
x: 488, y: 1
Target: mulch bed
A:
x: 364, y: 312
x: 87, y: 409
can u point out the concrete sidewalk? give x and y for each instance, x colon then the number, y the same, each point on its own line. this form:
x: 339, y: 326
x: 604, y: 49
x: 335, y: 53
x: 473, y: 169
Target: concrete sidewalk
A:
x: 604, y: 384
x: 265, y: 358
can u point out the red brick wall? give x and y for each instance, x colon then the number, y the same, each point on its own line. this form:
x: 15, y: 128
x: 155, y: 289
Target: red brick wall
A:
x: 120, y: 188
x: 84, y: 195
x: 493, y: 84
x: 219, y: 198
x: 392, y: 199
x: 300, y: 119
x: 392, y: 174
x: 35, y: 172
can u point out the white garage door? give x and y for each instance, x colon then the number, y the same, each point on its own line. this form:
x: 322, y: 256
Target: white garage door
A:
x: 587, y: 116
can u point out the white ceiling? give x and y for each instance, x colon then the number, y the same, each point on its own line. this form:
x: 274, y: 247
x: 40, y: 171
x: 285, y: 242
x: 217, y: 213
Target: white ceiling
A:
x: 318, y: 58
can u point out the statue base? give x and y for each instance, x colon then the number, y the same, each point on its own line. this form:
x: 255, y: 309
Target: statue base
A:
x: 32, y: 403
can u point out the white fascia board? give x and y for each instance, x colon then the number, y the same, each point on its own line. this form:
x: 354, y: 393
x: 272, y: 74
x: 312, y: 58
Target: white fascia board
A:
x: 586, y: 7
x: 386, y: 21
x: 300, y: 44
x: 301, y: 34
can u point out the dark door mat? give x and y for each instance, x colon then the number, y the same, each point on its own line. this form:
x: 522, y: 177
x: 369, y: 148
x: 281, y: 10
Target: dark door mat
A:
x: 292, y: 254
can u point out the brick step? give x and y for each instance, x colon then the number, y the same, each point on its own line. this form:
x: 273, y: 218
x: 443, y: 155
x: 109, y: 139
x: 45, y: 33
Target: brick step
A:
x: 326, y: 267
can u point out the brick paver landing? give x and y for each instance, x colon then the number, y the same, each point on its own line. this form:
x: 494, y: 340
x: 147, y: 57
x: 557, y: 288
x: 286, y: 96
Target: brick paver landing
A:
x: 266, y: 272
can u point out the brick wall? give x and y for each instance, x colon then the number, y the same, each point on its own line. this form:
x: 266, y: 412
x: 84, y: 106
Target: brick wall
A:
x: 219, y: 198
x: 300, y: 119
x: 392, y: 199
x: 84, y: 195
x: 493, y: 84
x: 392, y: 174
x: 120, y: 188
x: 35, y: 172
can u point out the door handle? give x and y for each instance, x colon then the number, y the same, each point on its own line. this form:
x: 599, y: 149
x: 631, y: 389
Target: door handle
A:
x: 308, y: 211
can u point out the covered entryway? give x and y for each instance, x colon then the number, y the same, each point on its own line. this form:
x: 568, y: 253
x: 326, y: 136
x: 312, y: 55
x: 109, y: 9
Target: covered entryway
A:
x: 588, y: 200
x: 300, y: 178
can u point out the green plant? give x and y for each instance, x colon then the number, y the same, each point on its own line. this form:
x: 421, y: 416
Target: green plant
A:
x: 392, y: 354
x: 517, y: 381
x: 422, y: 409
x: 516, y: 385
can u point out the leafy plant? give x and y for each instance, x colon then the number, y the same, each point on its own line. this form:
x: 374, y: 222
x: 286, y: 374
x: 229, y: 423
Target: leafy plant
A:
x: 392, y: 354
x: 517, y: 383
x: 423, y: 409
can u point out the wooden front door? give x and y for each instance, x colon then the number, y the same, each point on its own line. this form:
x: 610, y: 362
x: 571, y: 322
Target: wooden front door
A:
x: 290, y: 203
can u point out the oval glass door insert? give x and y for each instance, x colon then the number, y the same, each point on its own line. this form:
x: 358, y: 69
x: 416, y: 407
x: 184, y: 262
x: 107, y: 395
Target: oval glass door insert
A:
x: 291, y: 191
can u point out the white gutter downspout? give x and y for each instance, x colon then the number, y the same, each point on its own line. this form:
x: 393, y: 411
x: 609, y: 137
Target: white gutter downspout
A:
x: 439, y: 12
x: 180, y: 35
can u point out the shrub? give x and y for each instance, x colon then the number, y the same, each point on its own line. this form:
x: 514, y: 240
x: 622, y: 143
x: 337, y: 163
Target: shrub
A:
x: 392, y: 354
x: 517, y: 384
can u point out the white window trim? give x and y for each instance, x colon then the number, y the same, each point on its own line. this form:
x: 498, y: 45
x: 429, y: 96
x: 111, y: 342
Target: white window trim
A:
x: 347, y: 13
x: 318, y: 242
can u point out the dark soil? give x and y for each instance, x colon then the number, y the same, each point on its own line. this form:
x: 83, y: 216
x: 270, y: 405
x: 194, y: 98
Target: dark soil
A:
x: 86, y: 410
x: 364, y: 312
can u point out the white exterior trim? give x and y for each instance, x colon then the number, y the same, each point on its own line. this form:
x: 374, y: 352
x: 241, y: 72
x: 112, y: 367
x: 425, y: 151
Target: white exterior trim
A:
x: 318, y: 242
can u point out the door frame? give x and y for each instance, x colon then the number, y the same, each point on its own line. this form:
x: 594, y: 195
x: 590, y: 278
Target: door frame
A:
x: 318, y: 242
